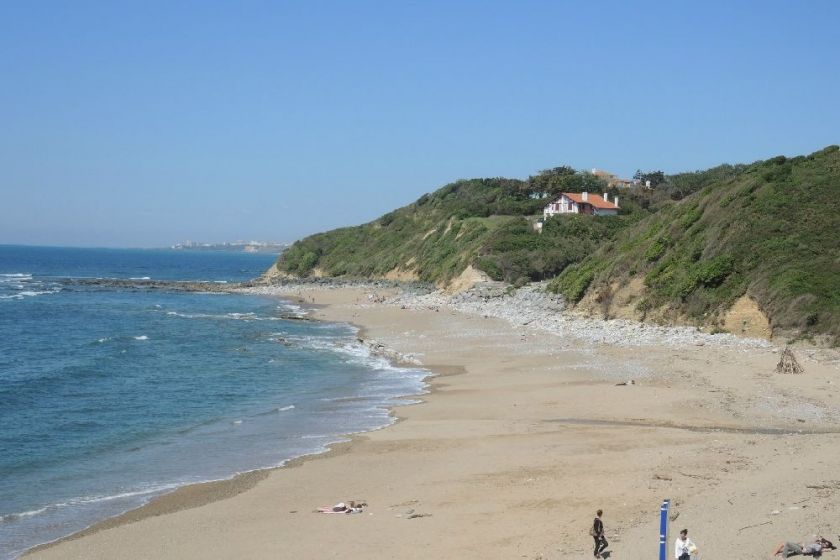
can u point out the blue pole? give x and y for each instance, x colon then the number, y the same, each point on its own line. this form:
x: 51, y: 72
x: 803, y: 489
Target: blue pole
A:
x: 663, y: 529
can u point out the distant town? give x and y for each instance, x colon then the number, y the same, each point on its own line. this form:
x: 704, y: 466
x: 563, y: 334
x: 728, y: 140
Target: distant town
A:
x: 244, y: 246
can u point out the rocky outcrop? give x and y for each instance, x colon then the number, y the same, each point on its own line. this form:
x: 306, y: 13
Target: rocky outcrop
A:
x: 148, y: 284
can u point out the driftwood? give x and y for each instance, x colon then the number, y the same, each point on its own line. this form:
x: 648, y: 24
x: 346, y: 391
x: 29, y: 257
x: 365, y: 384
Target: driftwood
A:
x: 788, y: 363
x: 757, y: 525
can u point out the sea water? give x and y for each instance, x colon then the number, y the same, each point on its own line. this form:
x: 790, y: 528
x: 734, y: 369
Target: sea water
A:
x: 110, y: 397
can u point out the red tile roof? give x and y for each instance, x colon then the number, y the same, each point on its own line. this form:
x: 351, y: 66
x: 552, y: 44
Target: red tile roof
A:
x: 592, y: 199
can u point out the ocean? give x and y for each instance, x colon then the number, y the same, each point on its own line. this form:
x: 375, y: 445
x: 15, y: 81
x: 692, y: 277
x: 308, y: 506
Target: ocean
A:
x: 110, y: 397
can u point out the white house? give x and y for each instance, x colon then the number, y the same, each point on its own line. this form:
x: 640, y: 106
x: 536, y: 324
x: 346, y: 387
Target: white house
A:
x: 582, y: 203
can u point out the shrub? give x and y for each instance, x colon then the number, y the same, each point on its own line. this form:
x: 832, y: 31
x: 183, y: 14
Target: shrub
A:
x: 657, y: 249
x: 713, y: 272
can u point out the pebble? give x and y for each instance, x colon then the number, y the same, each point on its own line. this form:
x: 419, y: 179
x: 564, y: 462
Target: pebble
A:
x: 539, y: 309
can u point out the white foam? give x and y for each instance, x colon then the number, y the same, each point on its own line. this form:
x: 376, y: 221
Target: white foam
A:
x: 140, y: 278
x: 360, y: 354
x: 135, y: 493
x: 293, y: 310
x: 84, y: 500
x: 233, y: 316
x: 141, y: 337
x: 236, y: 422
x: 15, y: 516
x: 246, y: 316
x: 285, y: 408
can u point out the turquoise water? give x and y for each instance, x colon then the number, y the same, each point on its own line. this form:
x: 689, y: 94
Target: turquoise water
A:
x: 110, y: 397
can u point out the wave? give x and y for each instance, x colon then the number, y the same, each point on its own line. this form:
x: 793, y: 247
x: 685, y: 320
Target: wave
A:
x: 293, y: 310
x: 140, y: 278
x: 353, y: 399
x: 353, y: 352
x: 87, y: 500
x: 250, y: 316
x: 37, y: 293
x: 274, y: 411
x: 28, y: 293
x: 389, y: 380
x: 19, y: 285
x: 141, y: 337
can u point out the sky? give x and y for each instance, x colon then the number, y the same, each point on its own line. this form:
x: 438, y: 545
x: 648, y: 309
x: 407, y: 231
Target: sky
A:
x: 142, y: 124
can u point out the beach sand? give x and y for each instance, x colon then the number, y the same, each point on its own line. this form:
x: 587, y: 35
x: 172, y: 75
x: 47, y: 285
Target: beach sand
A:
x: 523, y: 436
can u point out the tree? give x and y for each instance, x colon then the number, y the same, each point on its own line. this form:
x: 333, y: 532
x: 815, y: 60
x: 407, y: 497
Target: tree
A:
x: 565, y: 179
x: 656, y: 178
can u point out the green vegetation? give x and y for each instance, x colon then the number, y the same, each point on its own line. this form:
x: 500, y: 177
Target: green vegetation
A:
x: 436, y: 237
x: 517, y: 253
x: 699, y: 240
x: 667, y: 188
x: 487, y: 223
x: 770, y: 230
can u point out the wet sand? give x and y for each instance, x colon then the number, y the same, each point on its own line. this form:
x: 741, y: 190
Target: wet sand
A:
x: 524, y: 435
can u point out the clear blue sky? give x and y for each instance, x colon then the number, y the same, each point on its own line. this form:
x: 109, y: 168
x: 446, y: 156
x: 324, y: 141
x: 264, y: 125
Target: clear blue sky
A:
x: 147, y: 123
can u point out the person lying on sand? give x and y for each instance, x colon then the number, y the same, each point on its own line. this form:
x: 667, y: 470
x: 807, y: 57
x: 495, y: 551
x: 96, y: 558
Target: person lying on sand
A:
x: 341, y: 507
x: 813, y: 548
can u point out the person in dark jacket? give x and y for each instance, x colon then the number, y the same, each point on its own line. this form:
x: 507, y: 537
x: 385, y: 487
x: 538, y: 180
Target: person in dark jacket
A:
x: 597, y: 533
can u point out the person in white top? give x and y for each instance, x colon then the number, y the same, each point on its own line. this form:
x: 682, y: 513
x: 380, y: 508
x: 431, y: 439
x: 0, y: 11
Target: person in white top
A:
x: 683, y: 547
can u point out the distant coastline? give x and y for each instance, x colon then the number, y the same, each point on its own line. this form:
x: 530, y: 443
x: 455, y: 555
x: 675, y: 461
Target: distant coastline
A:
x: 244, y: 246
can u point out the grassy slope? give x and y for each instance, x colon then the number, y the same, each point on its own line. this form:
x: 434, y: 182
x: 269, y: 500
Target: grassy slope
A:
x: 436, y: 237
x: 772, y: 232
x: 483, y: 222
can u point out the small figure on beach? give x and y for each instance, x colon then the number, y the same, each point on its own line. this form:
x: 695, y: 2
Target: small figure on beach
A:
x: 815, y: 547
x: 342, y: 507
x: 597, y: 532
x: 684, y: 549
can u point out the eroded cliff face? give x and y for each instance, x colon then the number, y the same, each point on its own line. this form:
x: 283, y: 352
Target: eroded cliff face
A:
x: 273, y: 274
x: 466, y: 280
x: 622, y: 301
x: 405, y: 273
x: 402, y: 274
x: 745, y: 318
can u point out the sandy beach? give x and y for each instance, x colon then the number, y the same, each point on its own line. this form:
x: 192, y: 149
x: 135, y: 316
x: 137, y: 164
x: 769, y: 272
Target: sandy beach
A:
x: 524, y: 434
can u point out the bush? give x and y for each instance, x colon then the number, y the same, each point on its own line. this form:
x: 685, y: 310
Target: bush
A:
x: 714, y: 272
x: 657, y: 249
x: 574, y: 280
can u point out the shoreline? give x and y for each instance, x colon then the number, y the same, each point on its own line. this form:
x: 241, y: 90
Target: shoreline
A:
x: 475, y: 409
x: 196, y: 494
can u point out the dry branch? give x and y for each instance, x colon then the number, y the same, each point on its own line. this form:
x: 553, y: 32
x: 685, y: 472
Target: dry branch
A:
x: 788, y: 363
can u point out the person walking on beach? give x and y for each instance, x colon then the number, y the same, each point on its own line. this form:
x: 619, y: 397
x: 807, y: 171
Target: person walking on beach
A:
x: 683, y: 547
x: 597, y: 532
